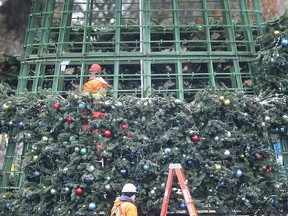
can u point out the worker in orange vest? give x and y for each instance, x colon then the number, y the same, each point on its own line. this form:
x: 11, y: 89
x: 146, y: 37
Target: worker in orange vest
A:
x: 124, y: 205
x: 96, y: 85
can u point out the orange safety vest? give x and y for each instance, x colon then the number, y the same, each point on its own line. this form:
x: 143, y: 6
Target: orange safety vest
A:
x: 97, y: 86
x: 122, y: 208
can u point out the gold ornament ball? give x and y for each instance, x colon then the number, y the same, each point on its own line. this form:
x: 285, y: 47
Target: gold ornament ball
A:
x: 221, y: 98
x: 226, y: 102
x: 276, y: 32
x: 285, y: 118
x: 5, y: 107
x: 242, y: 156
x: 217, y: 166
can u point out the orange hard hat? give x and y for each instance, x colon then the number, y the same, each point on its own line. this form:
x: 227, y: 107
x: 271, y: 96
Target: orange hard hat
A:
x: 95, y: 68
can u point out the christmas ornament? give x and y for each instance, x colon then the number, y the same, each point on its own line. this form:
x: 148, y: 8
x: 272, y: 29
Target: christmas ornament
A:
x: 146, y: 167
x: 107, y: 187
x: 189, y: 162
x: 56, y: 106
x: 255, y: 100
x: 7, y: 206
x: 88, y: 179
x: 182, y: 206
x: 53, y: 191
x: 67, y: 190
x: 92, y: 206
x: 217, y: 167
x: 241, y: 156
x: 21, y: 125
x: 69, y: 119
x: 82, y: 106
x: 129, y: 135
x: 268, y: 169
x: 39, y: 106
x: 167, y: 151
x: 5, y: 107
x: 216, y: 138
x: 152, y: 192
x: 45, y: 139
x: 195, y: 138
x: 221, y: 98
x: 272, y: 201
x: 284, y: 42
x: 34, y: 177
x: 91, y: 168
x: 107, y: 133
x: 35, y: 157
x: 83, y: 151
x: 226, y: 152
x: 124, y: 172
x: 125, y: 126
x: 259, y: 156
x: 267, y: 118
x: 76, y: 149
x: 228, y: 134
x: 79, y: 191
x: 238, y: 173
x: 226, y: 102
x: 276, y: 32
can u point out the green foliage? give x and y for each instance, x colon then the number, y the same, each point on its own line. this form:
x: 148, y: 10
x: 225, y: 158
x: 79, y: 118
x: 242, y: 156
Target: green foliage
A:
x: 159, y: 133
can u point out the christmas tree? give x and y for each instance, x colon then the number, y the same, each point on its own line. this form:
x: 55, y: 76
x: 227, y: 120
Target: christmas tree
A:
x: 77, y: 164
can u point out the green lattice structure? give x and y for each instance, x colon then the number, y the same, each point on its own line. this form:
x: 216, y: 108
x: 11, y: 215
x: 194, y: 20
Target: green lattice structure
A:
x: 146, y: 47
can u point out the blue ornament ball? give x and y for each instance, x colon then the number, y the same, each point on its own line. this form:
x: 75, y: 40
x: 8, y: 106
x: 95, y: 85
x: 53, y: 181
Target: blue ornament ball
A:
x: 168, y: 151
x: 92, y: 206
x: 21, y: 125
x: 189, y: 162
x: 7, y: 206
x: 272, y: 201
x: 82, y: 106
x: 284, y: 42
x: 146, y: 167
x: 124, y: 172
x: 238, y: 173
x: 183, y: 206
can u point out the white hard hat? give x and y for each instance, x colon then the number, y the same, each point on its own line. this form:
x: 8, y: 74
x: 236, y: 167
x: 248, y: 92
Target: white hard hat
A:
x: 129, y: 188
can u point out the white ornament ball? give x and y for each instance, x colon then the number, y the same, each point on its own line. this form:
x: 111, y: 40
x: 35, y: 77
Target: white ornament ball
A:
x: 76, y: 149
x: 228, y: 134
x: 267, y: 118
x: 91, y: 168
x: 152, y: 192
x: 107, y: 187
x: 226, y: 152
x: 263, y: 124
x: 53, y: 191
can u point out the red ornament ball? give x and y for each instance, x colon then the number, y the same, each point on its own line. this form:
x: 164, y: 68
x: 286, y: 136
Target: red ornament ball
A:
x: 269, y: 169
x: 56, y: 106
x: 79, y: 191
x: 39, y: 106
x: 107, y: 133
x: 255, y: 101
x: 125, y: 126
x: 129, y: 135
x: 69, y: 119
x: 195, y: 138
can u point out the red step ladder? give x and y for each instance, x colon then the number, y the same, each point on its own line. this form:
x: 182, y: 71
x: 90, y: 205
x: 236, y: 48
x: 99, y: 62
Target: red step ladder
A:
x: 177, y: 168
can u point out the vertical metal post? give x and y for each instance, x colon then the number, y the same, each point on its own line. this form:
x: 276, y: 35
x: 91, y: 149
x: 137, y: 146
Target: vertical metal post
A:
x: 141, y: 45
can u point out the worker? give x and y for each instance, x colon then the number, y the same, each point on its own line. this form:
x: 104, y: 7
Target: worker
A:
x: 96, y: 85
x: 124, y: 205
